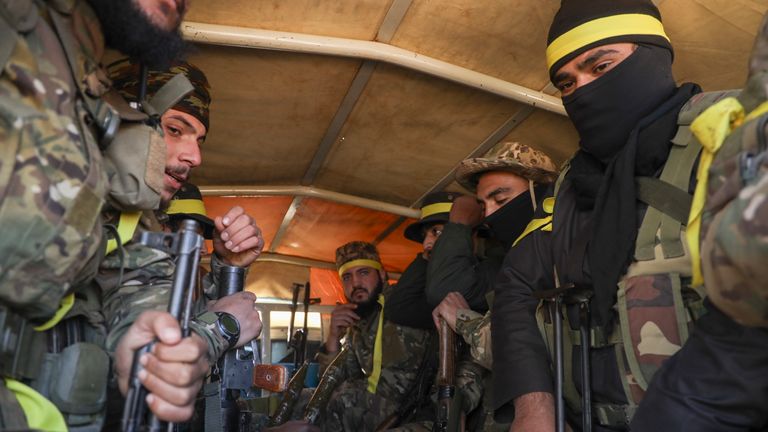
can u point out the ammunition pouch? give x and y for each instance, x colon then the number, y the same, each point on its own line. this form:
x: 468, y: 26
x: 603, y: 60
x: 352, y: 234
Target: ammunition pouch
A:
x: 77, y: 384
x: 75, y: 379
x: 21, y: 347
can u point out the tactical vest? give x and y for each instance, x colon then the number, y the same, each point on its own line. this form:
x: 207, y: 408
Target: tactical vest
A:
x: 656, y: 304
x: 64, y: 155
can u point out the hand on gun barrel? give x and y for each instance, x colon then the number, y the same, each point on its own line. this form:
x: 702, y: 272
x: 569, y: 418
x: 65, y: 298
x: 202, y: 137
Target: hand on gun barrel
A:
x: 167, y: 343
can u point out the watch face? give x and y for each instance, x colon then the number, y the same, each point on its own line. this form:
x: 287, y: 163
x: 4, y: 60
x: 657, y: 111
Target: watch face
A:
x: 229, y: 324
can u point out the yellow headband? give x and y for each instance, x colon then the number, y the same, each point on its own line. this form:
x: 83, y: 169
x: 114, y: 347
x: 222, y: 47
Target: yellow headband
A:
x: 188, y: 206
x: 435, y: 208
x: 359, y: 263
x: 602, y: 28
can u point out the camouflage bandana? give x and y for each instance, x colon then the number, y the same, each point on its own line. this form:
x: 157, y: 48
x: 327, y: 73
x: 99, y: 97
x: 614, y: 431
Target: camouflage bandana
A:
x: 126, y: 79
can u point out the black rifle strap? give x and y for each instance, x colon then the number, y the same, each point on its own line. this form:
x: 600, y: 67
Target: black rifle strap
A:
x: 213, y: 414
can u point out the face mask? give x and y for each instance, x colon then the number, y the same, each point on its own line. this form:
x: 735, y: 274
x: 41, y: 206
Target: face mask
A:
x: 509, y: 221
x: 606, y: 110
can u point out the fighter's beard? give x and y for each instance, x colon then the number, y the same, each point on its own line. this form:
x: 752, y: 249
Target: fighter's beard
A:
x: 368, y: 307
x: 129, y: 30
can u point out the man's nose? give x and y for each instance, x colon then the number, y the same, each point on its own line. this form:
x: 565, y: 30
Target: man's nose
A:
x: 191, y: 155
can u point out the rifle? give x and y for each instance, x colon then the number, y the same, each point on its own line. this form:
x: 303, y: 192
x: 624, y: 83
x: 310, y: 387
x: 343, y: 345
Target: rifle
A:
x: 295, y: 339
x: 446, y: 375
x: 330, y: 380
x: 185, y: 245
x: 238, y: 371
x: 290, y: 396
x: 303, y: 350
x: 570, y: 295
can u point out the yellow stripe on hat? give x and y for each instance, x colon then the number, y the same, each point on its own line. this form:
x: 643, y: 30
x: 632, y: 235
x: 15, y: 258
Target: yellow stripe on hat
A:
x: 186, y: 206
x: 602, y: 28
x: 436, y: 208
x: 359, y: 263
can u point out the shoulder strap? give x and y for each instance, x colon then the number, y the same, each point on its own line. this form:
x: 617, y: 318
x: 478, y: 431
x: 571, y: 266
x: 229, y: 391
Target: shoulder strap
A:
x: 669, y: 199
x: 169, y: 95
x: 126, y: 226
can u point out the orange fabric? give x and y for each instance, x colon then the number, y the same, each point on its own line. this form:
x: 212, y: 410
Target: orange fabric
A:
x: 326, y: 285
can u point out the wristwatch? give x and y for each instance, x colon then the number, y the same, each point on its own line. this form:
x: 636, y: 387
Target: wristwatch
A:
x: 225, y: 324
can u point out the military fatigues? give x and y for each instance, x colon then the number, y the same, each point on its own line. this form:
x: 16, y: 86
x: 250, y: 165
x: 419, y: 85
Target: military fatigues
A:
x: 475, y: 329
x: 146, y: 285
x: 352, y: 407
x: 52, y: 179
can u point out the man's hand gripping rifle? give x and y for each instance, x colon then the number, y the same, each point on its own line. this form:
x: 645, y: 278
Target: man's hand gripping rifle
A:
x: 185, y: 245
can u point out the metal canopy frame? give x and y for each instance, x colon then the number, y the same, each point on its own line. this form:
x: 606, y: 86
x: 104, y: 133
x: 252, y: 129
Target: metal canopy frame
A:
x: 371, y: 53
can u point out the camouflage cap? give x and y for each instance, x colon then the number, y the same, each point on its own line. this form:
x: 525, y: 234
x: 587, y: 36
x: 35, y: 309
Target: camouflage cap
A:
x: 187, y: 203
x: 357, y: 253
x: 126, y: 79
x: 514, y: 157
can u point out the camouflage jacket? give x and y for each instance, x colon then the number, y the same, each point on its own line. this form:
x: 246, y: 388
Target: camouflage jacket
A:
x: 146, y: 285
x: 52, y: 179
x: 475, y: 329
x: 403, y: 353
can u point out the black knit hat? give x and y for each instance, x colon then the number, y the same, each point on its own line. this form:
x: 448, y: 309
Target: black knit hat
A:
x: 187, y: 203
x: 580, y: 25
x: 435, y: 209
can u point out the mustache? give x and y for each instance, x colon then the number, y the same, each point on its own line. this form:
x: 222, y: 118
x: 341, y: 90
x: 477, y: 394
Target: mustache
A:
x: 180, y: 172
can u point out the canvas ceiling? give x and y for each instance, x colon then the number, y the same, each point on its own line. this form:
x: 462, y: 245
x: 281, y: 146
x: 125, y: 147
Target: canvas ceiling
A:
x: 374, y: 130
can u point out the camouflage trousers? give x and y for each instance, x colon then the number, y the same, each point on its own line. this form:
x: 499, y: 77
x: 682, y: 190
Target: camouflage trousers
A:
x: 351, y: 408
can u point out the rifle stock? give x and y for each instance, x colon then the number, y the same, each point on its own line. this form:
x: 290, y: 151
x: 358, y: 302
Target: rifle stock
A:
x: 290, y: 396
x: 445, y: 377
x: 273, y: 378
x: 185, y: 245
x: 328, y: 383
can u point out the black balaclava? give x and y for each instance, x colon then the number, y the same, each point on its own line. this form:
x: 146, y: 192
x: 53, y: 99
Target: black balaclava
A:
x: 508, y: 222
x: 625, y: 119
x: 606, y: 110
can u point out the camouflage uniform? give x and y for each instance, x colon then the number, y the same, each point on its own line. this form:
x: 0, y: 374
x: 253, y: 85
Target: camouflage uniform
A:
x: 352, y: 404
x: 53, y: 180
x: 475, y: 329
x: 146, y: 285
x: 352, y: 407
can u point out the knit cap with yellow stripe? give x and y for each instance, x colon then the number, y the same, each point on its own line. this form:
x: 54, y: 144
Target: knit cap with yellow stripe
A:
x: 581, y: 25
